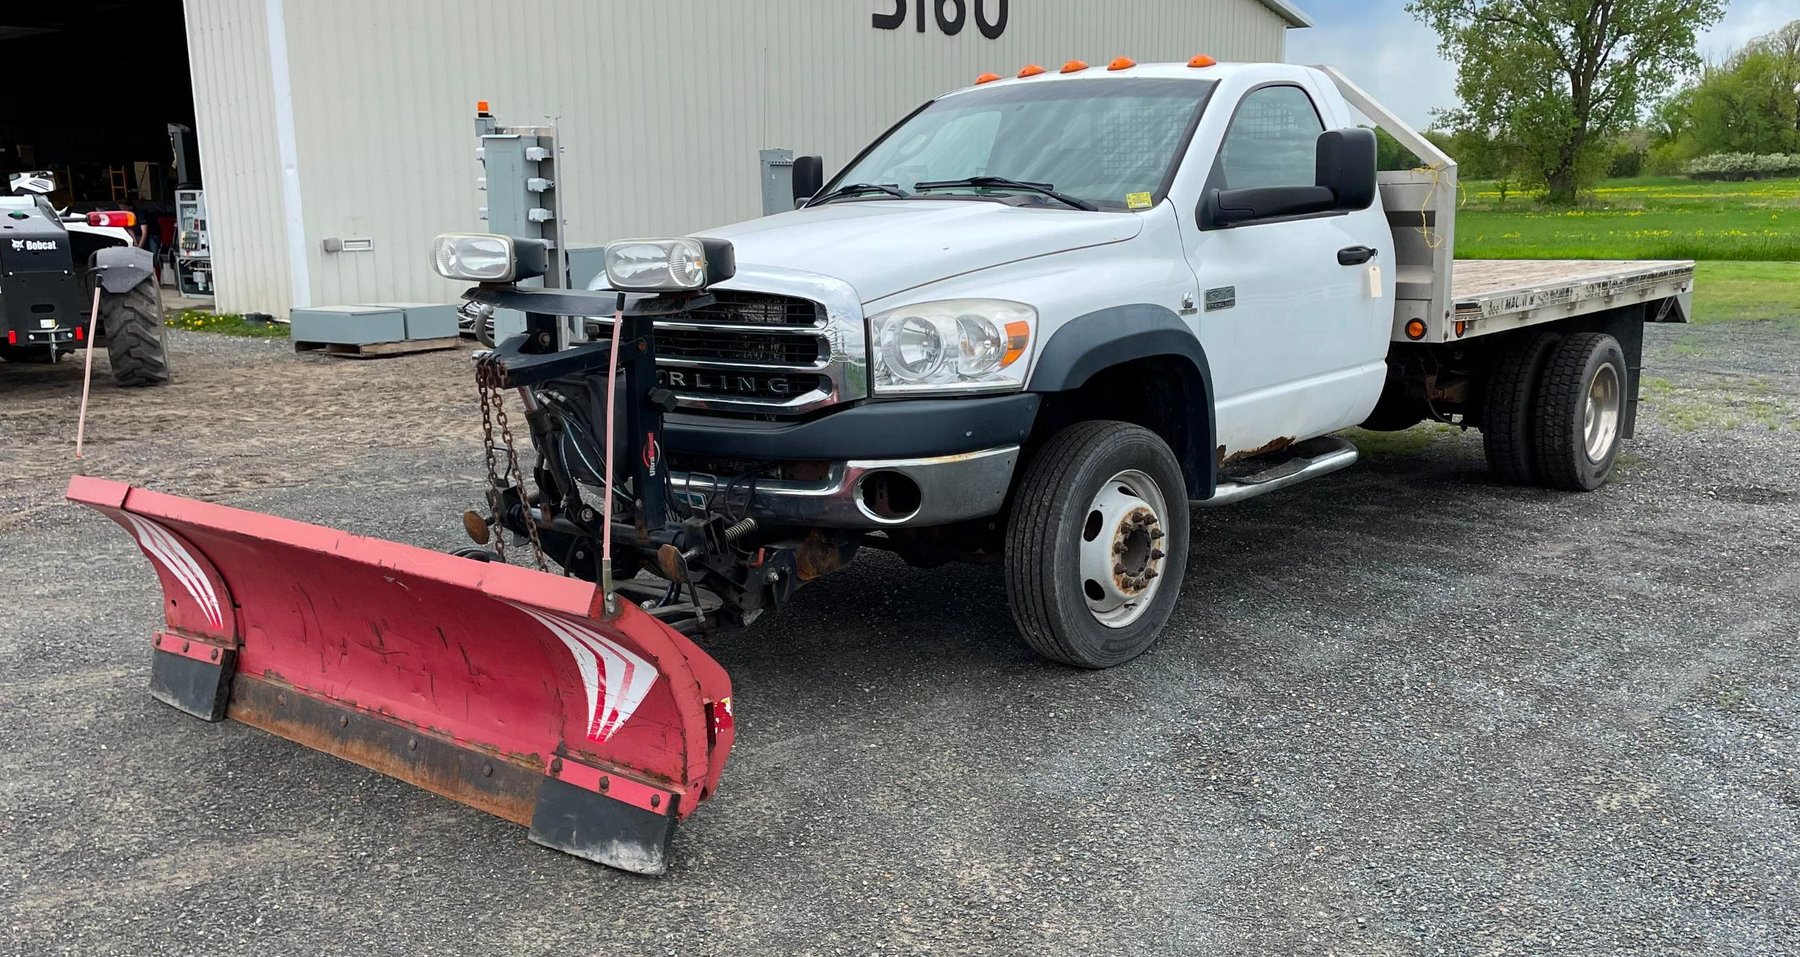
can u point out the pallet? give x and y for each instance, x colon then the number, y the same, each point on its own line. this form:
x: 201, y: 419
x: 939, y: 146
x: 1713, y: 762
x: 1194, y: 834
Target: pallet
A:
x: 375, y: 350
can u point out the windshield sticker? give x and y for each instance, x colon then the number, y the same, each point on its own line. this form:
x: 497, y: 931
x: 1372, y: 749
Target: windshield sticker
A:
x: 1137, y: 201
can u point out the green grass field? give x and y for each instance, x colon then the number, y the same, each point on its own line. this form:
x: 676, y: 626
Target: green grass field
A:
x: 1745, y: 236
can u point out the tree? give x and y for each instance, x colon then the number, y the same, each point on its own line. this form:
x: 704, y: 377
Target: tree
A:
x: 1561, y: 78
x: 1748, y: 103
x: 1747, y: 106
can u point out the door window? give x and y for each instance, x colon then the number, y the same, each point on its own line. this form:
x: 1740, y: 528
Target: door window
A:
x: 1272, y: 141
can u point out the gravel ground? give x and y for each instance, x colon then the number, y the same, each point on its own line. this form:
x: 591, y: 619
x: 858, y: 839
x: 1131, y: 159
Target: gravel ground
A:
x: 1400, y: 710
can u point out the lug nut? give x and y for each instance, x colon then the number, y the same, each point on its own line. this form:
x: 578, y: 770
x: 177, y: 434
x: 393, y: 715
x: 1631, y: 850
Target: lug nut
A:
x: 1156, y: 554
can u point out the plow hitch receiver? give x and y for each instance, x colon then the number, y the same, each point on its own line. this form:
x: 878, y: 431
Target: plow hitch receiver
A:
x: 504, y: 688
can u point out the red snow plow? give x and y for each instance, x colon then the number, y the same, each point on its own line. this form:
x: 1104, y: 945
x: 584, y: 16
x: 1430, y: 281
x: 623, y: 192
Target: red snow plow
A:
x: 505, y: 688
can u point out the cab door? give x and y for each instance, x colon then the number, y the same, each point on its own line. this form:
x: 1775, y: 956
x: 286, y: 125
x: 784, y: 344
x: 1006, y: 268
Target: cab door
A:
x: 1296, y: 337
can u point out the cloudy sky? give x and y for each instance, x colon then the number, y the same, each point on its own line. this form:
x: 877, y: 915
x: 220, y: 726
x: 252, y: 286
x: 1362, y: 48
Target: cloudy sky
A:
x: 1380, y: 46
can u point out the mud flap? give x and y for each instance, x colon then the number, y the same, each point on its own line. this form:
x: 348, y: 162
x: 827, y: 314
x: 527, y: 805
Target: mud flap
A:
x: 504, y: 688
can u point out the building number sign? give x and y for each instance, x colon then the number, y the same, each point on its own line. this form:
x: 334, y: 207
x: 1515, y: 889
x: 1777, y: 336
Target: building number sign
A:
x: 951, y: 16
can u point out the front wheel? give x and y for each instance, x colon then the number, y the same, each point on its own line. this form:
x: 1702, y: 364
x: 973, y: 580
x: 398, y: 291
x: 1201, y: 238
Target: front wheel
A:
x: 1097, y: 544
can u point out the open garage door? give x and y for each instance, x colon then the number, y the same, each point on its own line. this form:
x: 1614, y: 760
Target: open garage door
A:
x: 91, y: 90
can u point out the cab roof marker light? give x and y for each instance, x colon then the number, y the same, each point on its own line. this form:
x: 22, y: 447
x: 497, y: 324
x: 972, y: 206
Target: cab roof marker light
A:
x: 1031, y: 69
x: 1074, y: 66
x: 1202, y: 61
x: 1121, y: 63
x: 986, y: 78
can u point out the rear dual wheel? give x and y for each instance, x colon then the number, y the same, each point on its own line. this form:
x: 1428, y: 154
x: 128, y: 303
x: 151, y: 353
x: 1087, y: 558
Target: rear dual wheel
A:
x: 1554, y: 411
x: 1097, y: 544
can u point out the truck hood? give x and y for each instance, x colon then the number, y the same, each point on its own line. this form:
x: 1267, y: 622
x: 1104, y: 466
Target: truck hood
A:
x: 881, y: 248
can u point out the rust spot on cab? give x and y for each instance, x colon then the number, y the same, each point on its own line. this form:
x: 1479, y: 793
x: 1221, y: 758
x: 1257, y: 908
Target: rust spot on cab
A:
x: 1274, y: 445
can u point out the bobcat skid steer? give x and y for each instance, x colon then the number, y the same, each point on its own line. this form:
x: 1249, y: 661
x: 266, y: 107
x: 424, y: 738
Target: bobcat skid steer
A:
x: 50, y: 265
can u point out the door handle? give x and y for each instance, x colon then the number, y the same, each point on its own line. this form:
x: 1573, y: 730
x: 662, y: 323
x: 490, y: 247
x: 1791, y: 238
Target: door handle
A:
x: 1355, y: 255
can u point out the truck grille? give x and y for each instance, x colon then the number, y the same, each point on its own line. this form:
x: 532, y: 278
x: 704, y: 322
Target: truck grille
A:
x: 800, y: 351
x: 748, y: 353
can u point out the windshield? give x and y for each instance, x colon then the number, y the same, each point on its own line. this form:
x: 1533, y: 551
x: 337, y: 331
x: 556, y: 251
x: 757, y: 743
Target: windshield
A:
x: 1112, y: 143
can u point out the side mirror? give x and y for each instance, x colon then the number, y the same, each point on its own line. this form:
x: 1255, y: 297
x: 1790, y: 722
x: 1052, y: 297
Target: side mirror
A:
x: 1346, y: 165
x: 1343, y: 181
x: 809, y: 177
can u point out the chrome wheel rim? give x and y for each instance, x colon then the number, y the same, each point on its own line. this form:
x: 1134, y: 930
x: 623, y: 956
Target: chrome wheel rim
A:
x: 1120, y: 544
x: 1600, y: 417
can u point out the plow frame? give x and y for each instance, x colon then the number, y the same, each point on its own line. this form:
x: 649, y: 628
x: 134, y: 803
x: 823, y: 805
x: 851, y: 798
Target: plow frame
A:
x: 608, y: 782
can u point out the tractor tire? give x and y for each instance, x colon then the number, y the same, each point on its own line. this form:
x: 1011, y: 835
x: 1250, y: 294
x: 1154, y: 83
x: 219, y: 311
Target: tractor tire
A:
x: 137, y: 344
x: 1507, y: 434
x: 1580, y: 415
x: 1097, y: 544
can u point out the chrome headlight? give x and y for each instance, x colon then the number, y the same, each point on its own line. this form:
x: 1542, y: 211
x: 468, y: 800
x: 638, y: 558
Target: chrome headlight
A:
x: 953, y: 345
x: 668, y: 265
x: 488, y: 257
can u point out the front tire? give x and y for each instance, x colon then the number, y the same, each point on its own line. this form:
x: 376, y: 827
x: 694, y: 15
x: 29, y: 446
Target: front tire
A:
x: 1581, y: 412
x: 1097, y: 544
x: 136, y: 340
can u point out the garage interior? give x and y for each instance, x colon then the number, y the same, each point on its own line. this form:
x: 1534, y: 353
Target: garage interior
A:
x: 98, y: 85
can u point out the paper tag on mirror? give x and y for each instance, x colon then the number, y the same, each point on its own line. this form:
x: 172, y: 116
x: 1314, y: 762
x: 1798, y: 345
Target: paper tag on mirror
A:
x: 1374, y: 281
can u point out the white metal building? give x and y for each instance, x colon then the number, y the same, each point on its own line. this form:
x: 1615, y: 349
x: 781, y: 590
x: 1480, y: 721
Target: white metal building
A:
x: 353, y: 119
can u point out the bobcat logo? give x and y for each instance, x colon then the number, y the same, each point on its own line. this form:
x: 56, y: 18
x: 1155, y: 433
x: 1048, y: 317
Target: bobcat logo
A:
x: 34, y: 245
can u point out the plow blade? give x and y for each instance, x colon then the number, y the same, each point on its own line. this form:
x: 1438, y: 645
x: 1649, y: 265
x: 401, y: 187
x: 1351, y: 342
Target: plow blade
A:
x: 507, y: 689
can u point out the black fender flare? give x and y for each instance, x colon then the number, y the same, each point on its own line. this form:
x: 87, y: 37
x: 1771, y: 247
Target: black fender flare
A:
x: 119, y: 269
x: 1089, y: 344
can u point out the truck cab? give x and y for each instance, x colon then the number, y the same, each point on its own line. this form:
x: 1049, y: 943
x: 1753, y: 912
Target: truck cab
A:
x: 1034, y: 322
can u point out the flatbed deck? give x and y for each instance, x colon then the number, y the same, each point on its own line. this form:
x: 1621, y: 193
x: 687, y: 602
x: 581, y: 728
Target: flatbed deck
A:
x: 1493, y: 295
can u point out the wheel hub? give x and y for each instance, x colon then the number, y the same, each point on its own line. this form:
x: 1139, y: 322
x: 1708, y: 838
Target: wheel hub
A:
x: 1121, y: 549
x: 1601, y: 413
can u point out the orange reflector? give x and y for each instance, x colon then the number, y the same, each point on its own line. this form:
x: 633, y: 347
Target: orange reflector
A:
x: 1415, y: 329
x: 1074, y: 66
x: 1121, y: 63
x: 1018, y: 336
x: 1461, y: 327
x: 1202, y: 60
x: 987, y: 78
x: 1031, y: 69
x: 481, y: 106
x: 115, y: 217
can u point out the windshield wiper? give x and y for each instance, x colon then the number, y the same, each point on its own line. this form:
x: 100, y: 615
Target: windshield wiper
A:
x: 1001, y: 182
x: 855, y: 189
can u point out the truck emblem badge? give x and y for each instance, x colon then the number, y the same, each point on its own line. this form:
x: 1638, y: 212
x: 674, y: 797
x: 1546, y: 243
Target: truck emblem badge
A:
x: 1221, y: 297
x: 724, y: 382
x: 627, y: 677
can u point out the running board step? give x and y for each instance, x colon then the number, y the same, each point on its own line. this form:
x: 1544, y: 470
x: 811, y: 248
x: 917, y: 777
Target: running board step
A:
x: 1310, y: 459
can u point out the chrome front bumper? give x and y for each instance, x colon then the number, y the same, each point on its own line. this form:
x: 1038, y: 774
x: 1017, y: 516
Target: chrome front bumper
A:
x: 952, y: 488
